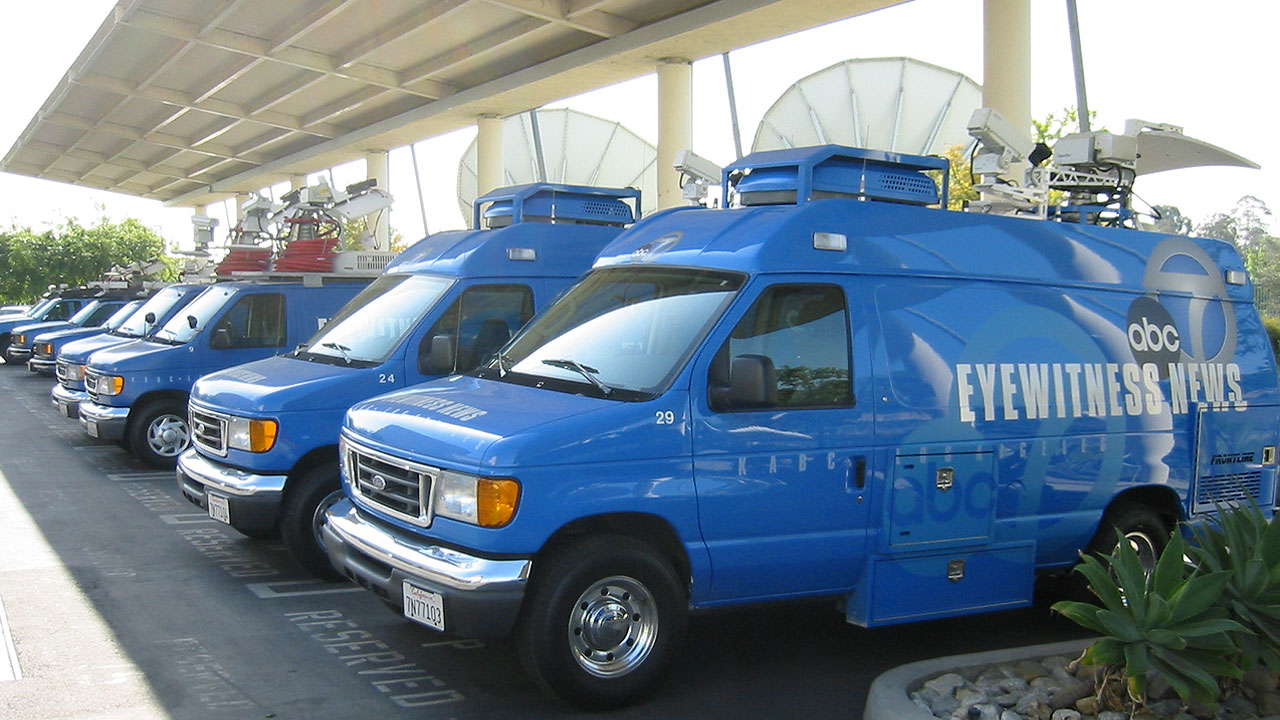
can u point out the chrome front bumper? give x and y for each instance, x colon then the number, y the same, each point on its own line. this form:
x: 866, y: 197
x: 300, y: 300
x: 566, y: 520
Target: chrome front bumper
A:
x: 103, y: 421
x: 67, y: 401
x: 228, y: 480
x: 412, y: 556
x: 481, y: 597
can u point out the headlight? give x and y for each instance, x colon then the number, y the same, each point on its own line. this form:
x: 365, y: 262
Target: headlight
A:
x: 22, y: 340
x: 487, y: 502
x: 108, y: 384
x: 252, y: 434
x: 45, y: 349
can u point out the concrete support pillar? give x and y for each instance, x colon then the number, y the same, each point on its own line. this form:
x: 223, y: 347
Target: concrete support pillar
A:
x: 675, y: 125
x: 376, y: 168
x: 233, y: 212
x: 1006, y: 60
x: 488, y: 154
x: 297, y: 182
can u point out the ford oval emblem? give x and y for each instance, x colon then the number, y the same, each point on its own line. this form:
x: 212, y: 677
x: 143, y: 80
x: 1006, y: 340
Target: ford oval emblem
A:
x: 377, y: 482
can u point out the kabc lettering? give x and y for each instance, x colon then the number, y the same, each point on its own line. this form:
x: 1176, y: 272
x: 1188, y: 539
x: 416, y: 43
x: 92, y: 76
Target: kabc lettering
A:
x: 1153, y: 338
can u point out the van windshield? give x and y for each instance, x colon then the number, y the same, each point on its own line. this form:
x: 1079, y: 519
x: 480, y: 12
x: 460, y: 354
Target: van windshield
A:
x: 40, y: 306
x: 194, y: 317
x: 83, y: 314
x: 136, y: 325
x: 622, y: 333
x: 370, y: 327
x: 123, y: 313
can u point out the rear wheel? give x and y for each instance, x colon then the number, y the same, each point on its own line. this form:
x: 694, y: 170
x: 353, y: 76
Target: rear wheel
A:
x: 603, y: 618
x: 302, y: 518
x: 160, y: 433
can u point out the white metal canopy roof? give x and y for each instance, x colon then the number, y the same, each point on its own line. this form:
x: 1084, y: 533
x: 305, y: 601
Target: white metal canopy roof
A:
x: 187, y: 101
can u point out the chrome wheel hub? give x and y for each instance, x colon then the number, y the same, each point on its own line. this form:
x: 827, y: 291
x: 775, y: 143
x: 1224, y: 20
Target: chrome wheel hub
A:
x: 168, y: 435
x: 613, y: 626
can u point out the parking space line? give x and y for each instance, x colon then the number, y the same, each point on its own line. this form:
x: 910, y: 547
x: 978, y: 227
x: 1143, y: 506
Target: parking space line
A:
x: 9, y: 668
x: 269, y: 590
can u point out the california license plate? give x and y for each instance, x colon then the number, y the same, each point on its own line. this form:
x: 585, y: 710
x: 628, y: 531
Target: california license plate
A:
x: 424, y: 606
x: 91, y: 427
x: 219, y: 508
x: 63, y: 408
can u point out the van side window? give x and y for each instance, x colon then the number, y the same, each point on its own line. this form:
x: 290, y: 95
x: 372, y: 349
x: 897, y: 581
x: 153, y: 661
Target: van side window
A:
x: 256, y: 320
x: 480, y: 322
x: 791, y: 350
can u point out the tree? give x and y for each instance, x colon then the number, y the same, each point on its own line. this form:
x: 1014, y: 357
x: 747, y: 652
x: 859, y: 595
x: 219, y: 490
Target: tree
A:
x: 71, y: 255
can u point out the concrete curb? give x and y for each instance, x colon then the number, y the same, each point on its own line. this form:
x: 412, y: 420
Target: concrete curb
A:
x: 889, y: 696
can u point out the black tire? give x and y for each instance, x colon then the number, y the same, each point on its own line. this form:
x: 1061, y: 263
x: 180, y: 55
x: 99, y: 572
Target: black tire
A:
x: 1146, y: 530
x: 603, y: 618
x: 160, y: 433
x: 302, y: 516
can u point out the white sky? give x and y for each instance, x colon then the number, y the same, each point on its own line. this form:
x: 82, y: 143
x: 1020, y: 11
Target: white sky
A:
x: 1208, y: 67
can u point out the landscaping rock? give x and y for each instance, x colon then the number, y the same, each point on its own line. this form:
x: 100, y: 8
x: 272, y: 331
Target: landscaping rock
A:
x: 1066, y: 714
x: 1088, y: 705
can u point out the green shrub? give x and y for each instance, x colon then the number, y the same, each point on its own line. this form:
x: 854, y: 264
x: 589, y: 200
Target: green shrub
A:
x: 1168, y: 624
x: 1273, y: 331
x: 1242, y: 543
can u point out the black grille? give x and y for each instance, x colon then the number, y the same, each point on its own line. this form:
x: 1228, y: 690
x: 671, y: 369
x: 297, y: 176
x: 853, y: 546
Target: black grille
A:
x: 397, y: 486
x: 208, y: 429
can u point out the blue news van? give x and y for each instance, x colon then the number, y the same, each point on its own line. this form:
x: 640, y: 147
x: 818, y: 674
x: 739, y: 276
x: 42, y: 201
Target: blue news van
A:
x: 138, y: 391
x: 55, y: 307
x: 91, y: 316
x: 264, y: 445
x: 45, y: 346
x: 68, y: 392
x: 828, y: 390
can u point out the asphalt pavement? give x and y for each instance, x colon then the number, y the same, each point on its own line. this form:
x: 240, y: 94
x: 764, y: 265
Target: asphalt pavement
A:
x: 118, y: 599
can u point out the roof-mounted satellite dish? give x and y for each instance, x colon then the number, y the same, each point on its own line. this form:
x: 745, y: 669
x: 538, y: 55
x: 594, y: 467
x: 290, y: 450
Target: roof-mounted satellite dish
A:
x: 1163, y: 147
x: 577, y: 149
x: 897, y: 104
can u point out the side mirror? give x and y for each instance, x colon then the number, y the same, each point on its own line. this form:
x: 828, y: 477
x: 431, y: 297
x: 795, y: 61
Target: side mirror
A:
x: 149, y: 318
x: 192, y: 322
x: 221, y: 339
x: 753, y: 383
x: 439, y: 361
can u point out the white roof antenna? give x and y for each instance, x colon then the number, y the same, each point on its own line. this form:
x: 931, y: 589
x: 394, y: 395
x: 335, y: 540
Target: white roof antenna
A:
x: 575, y: 149
x: 896, y: 104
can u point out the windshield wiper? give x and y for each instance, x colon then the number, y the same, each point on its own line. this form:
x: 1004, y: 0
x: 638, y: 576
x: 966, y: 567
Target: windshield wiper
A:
x: 503, y: 361
x: 585, y: 371
x: 340, y: 348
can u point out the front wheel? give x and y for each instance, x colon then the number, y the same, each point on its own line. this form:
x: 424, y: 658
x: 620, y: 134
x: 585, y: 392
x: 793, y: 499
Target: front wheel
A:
x: 160, y: 434
x: 302, y: 518
x: 603, y: 617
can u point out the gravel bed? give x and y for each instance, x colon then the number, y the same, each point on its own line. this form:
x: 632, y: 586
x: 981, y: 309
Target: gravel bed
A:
x: 1062, y: 688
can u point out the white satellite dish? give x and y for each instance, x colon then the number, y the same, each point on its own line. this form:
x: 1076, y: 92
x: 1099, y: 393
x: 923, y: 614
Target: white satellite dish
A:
x: 897, y: 104
x: 577, y: 149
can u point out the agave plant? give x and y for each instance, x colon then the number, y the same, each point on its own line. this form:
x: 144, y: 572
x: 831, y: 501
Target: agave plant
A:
x: 1242, y: 543
x: 1165, y: 624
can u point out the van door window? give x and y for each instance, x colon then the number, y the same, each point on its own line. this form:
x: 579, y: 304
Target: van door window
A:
x: 478, y: 324
x: 790, y: 350
x: 256, y: 320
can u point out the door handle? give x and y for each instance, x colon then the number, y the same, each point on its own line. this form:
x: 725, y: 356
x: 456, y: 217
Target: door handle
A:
x: 860, y: 472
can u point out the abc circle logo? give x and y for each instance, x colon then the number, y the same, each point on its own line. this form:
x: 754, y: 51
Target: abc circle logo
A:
x: 1147, y: 336
x: 1153, y: 336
